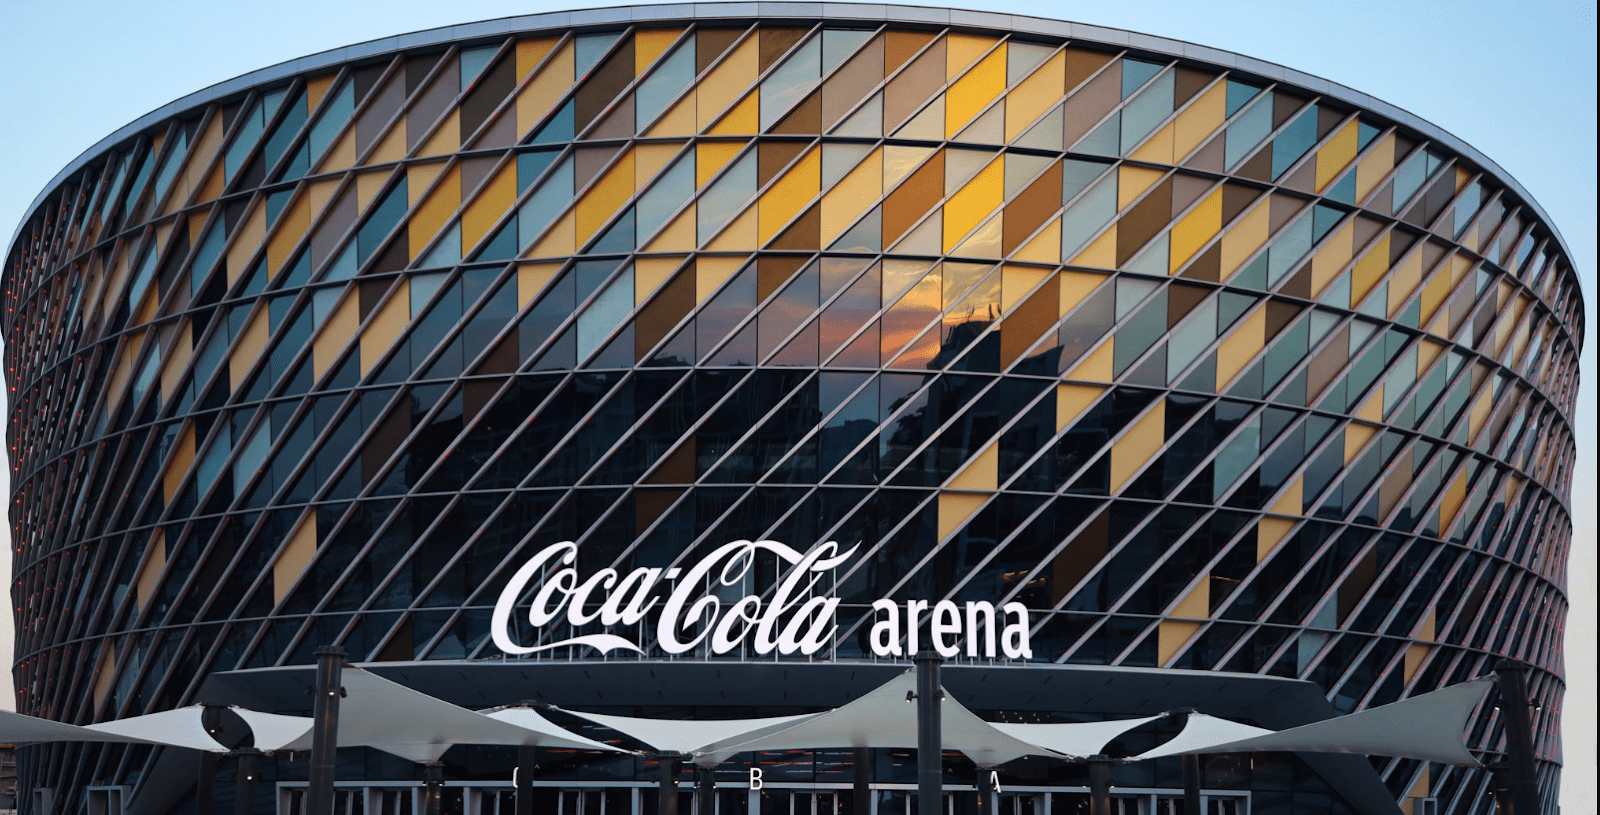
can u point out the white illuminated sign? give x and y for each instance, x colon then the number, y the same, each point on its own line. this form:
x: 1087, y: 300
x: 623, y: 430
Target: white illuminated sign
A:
x: 793, y: 620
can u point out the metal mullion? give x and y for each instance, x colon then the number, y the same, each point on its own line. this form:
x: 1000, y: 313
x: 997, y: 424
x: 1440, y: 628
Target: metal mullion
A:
x: 139, y: 202
x: 777, y: 404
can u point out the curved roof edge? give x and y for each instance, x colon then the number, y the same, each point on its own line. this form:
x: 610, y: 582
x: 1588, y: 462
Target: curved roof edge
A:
x: 726, y: 9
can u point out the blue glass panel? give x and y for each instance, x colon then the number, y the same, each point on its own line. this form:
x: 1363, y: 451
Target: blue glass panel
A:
x: 559, y: 129
x: 1152, y: 105
x: 665, y: 197
x: 590, y: 48
x: 839, y: 43
x: 382, y: 220
x: 473, y: 61
x: 1135, y: 73
x: 531, y: 165
x: 788, y: 84
x: 546, y: 203
x: 1239, y: 94
x: 618, y: 239
x: 1247, y: 131
x: 1294, y: 141
x: 1083, y: 219
x: 727, y: 195
x: 664, y: 84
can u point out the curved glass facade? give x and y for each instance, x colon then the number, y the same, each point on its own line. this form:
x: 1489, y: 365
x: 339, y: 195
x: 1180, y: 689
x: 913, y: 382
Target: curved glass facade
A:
x: 1210, y: 371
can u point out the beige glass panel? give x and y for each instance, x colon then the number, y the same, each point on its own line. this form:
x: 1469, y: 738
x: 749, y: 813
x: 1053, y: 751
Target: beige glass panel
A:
x: 1203, y: 117
x: 1374, y: 166
x: 1072, y: 401
x: 1336, y: 154
x: 1292, y: 501
x: 1240, y: 347
x: 337, y: 331
x: 981, y: 472
x: 744, y: 119
x: 251, y: 342
x: 974, y: 91
x: 1366, y: 274
x: 1171, y: 636
x: 104, y: 674
x: 711, y: 156
x: 975, y: 201
x: 1156, y: 149
x: 532, y: 278
x: 385, y: 326
x: 558, y: 240
x: 786, y: 197
x: 292, y: 224
x: 541, y: 95
x: 1196, y: 229
x: 531, y: 52
x: 1335, y: 254
x: 955, y: 509
x: 1045, y: 247
x: 1097, y: 366
x: 852, y: 195
x: 965, y: 49
x: 181, y: 463
x: 1269, y: 533
x: 1244, y: 237
x: 1407, y: 276
x: 1034, y: 96
x: 368, y: 185
x: 442, y: 201
x: 648, y: 44
x: 678, y: 236
x: 445, y: 140
x: 490, y: 204
x: 316, y: 88
x: 294, y: 557
x: 1133, y: 181
x: 649, y: 158
x: 177, y: 361
x: 605, y: 197
x: 1138, y: 445
x: 1101, y: 253
x: 726, y: 82
x: 198, y: 162
x: 150, y: 572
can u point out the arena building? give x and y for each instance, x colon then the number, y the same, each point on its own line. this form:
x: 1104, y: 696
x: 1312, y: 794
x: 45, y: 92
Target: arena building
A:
x: 1188, y: 380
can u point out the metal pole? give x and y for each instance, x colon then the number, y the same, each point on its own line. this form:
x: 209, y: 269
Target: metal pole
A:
x: 527, y: 763
x: 325, y: 730
x: 205, y: 790
x: 1523, y: 778
x: 244, y: 799
x: 1191, y: 785
x: 432, y: 788
x: 930, y: 751
x: 863, y: 782
x: 705, y: 789
x: 987, y: 805
x: 667, y: 802
x: 1099, y: 785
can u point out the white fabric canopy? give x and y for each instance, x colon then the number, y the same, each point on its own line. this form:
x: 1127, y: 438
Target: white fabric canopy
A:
x: 883, y: 718
x: 1427, y: 727
x: 549, y: 733
x: 688, y: 736
x: 16, y: 728
x: 393, y: 718
x: 179, y: 728
x: 1202, y: 733
x: 1077, y: 740
x: 274, y: 731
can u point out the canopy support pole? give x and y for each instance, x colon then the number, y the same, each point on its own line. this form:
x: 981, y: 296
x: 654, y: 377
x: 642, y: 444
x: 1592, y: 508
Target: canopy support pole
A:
x: 1099, y: 785
x: 527, y: 763
x: 930, y: 752
x: 1523, y: 778
x: 705, y: 789
x: 667, y: 803
x: 988, y: 803
x: 863, y: 781
x: 325, y: 730
x: 1191, y: 784
x: 205, y: 790
x: 244, y: 799
x: 432, y: 788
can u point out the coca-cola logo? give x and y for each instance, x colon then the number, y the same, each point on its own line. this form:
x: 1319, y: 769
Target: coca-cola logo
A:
x: 690, y: 608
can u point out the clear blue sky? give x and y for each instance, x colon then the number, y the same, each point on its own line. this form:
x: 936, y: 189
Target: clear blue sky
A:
x: 1517, y: 81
